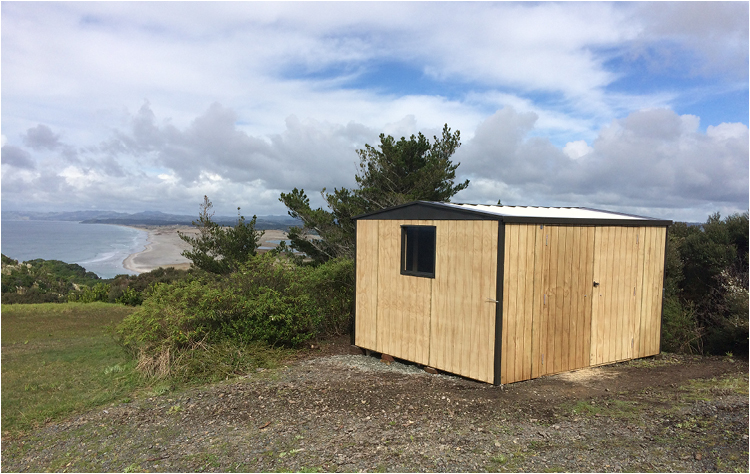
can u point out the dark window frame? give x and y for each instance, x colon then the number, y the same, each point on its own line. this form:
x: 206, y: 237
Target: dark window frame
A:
x: 411, y: 268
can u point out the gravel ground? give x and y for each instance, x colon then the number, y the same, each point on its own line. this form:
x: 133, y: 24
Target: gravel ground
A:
x: 354, y: 413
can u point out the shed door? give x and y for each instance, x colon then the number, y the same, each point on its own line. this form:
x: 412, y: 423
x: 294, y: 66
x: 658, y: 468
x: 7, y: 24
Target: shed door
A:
x: 562, y: 328
x: 546, y: 300
x: 626, y: 308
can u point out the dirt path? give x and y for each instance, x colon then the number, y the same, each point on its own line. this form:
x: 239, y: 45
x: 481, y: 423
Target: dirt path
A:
x: 355, y: 413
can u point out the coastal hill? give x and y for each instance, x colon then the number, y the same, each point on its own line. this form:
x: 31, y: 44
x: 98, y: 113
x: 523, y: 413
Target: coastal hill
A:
x: 153, y: 218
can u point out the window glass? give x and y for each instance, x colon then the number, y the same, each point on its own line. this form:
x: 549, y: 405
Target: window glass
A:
x: 418, y: 250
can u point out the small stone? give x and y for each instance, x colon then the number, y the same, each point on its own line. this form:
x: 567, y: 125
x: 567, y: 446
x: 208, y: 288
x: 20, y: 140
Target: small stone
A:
x: 698, y: 456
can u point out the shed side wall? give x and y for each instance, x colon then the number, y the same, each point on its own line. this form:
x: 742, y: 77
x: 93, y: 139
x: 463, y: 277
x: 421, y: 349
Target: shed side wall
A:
x: 555, y: 319
x: 447, y: 322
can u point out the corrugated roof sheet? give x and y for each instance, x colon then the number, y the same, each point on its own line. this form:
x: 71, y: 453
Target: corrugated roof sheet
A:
x: 543, y: 212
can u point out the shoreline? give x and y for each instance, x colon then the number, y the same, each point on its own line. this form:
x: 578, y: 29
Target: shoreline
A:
x: 164, y: 247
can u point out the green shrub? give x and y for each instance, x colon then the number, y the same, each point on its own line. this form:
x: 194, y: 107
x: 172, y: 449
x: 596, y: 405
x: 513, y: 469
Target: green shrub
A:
x: 90, y: 294
x: 680, y: 331
x: 332, y: 286
x: 128, y: 297
x: 707, y: 286
x: 32, y: 297
x: 267, y: 301
x: 132, y: 289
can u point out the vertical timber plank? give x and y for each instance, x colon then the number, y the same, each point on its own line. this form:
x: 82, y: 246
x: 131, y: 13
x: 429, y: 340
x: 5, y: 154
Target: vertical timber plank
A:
x: 561, y: 244
x: 477, y: 301
x: 385, y: 299
x: 537, y: 309
x: 552, y: 298
x: 510, y: 284
x: 588, y: 288
x: 520, y: 310
x: 647, y: 291
x: 440, y: 292
x: 566, y: 346
x: 528, y: 298
x: 367, y: 283
x: 638, y: 270
x: 576, y: 295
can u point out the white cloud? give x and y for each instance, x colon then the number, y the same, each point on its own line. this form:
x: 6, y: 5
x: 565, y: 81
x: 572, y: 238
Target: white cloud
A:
x: 652, y: 157
x: 245, y: 100
x: 577, y: 149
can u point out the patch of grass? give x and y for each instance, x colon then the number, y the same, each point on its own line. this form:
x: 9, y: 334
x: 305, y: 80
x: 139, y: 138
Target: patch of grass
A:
x: 650, y: 362
x: 309, y: 469
x: 732, y: 384
x: 59, y: 359
x: 611, y: 408
x: 583, y: 407
x: 499, y: 459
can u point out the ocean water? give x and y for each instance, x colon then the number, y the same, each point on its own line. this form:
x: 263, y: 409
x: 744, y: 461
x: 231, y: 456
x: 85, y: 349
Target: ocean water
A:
x: 99, y: 248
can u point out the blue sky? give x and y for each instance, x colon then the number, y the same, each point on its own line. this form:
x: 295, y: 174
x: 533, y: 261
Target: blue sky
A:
x: 130, y: 106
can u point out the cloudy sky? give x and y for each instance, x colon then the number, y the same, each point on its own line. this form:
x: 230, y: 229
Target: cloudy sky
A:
x: 635, y: 107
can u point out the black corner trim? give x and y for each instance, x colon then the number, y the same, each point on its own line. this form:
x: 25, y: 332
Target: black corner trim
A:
x: 499, y: 297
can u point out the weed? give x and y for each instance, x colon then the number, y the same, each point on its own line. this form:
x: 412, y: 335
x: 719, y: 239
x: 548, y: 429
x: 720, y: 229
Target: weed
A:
x: 499, y: 459
x: 160, y: 389
x: 555, y: 469
x: 134, y: 467
x: 585, y: 408
x: 114, y: 369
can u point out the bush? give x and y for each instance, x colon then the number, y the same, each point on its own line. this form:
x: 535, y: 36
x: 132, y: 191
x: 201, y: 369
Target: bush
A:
x: 680, y: 331
x: 332, y: 286
x: 32, y: 297
x: 90, y: 294
x: 131, y: 290
x: 267, y: 301
x: 707, y: 286
x: 128, y: 297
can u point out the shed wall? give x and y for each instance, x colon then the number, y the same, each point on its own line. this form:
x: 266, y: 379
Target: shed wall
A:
x: 555, y: 319
x: 445, y: 322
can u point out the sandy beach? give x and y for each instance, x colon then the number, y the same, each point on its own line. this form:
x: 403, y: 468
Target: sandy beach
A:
x: 164, y: 248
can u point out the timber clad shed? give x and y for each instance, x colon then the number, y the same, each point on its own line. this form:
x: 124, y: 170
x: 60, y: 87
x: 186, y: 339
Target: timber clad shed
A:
x: 505, y: 293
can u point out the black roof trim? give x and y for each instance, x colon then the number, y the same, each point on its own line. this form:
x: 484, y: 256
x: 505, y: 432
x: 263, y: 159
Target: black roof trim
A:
x: 427, y: 210
x: 646, y: 222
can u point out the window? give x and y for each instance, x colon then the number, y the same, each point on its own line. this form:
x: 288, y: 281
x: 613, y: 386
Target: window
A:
x: 418, y: 251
